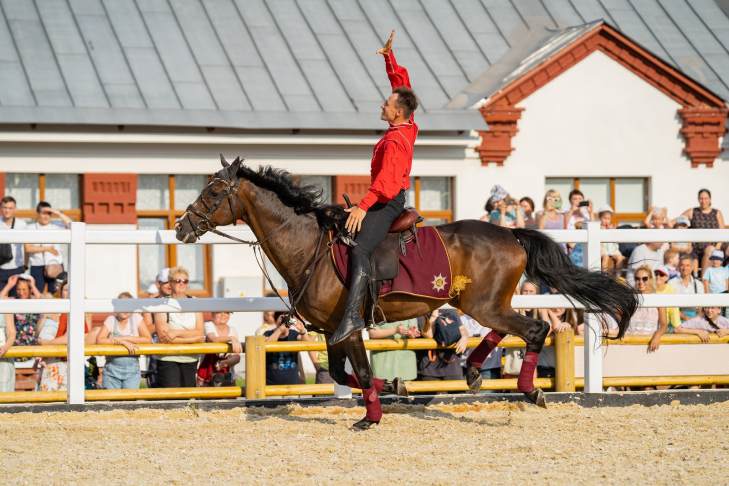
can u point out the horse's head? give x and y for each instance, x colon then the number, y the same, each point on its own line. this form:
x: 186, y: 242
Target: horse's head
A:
x: 217, y: 204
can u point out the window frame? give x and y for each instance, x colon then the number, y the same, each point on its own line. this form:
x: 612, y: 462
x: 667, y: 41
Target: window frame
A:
x: 170, y: 215
x: 618, y: 218
x: 76, y: 214
x: 446, y: 214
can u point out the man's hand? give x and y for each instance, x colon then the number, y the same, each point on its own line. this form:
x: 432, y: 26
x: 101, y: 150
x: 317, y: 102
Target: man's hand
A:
x: 354, y: 221
x: 385, y: 50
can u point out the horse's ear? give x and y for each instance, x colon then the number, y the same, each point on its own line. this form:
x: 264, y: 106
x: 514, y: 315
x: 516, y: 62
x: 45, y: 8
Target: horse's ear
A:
x: 223, y: 161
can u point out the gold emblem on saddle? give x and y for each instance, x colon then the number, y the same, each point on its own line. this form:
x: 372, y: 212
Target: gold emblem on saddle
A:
x: 439, y: 282
x: 459, y: 283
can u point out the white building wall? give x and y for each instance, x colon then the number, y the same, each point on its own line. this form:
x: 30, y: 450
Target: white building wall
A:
x: 597, y: 119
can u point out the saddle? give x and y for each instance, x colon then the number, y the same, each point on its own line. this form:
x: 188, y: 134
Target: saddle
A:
x: 385, y: 259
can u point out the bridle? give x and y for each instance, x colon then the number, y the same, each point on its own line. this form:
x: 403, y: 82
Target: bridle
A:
x: 206, y: 225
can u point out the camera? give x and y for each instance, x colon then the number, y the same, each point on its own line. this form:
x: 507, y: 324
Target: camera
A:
x: 583, y: 204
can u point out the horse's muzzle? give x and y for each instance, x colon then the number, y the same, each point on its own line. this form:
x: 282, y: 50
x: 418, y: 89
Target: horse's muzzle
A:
x: 184, y: 231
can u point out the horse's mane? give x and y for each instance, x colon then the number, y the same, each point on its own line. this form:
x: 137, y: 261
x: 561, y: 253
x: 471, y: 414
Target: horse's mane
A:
x: 302, y: 199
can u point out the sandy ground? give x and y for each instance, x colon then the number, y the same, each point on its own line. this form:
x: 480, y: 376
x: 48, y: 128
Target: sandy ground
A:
x: 473, y: 443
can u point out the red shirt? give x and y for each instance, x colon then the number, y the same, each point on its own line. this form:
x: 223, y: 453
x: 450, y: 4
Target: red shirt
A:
x: 392, y: 157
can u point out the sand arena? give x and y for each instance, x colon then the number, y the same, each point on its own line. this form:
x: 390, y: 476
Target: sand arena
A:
x: 438, y: 444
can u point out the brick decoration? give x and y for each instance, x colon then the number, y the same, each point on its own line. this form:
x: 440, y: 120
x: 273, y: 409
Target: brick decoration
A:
x: 2, y: 184
x: 355, y: 186
x: 110, y: 198
x: 703, y: 112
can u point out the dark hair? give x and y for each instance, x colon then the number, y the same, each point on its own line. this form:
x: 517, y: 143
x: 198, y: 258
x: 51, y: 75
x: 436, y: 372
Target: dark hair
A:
x: 529, y: 200
x: 42, y: 205
x: 489, y: 206
x: 8, y: 199
x: 575, y: 192
x: 708, y: 193
x: 686, y: 256
x: 406, y: 100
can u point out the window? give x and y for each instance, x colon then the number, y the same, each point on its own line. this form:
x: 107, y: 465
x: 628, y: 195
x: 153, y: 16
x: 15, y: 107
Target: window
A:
x: 161, y: 199
x: 433, y: 198
x: 60, y: 190
x: 628, y: 196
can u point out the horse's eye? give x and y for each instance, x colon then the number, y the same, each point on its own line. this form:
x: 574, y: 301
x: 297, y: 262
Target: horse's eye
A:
x: 213, y: 194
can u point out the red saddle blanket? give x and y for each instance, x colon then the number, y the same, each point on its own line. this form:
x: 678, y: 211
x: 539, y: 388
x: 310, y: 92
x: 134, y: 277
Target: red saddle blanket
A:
x: 424, y: 269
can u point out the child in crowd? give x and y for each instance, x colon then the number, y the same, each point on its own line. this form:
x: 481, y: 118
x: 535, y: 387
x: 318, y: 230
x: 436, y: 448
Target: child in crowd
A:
x: 612, y: 260
x: 670, y: 262
x: 716, y: 277
x: 708, y: 322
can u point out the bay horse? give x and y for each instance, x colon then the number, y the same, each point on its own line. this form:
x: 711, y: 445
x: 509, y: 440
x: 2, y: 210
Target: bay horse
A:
x: 289, y: 221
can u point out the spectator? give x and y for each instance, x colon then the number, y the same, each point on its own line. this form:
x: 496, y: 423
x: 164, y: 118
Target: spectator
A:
x: 25, y: 324
x: 710, y: 322
x: 657, y: 218
x: 612, y: 259
x: 646, y: 254
x: 443, y: 325
x: 54, y: 330
x: 506, y: 211
x: 399, y: 363
x: 670, y: 261
x: 7, y: 366
x: 685, y: 283
x: 527, y: 207
x: 647, y: 320
x: 285, y: 368
x: 160, y: 289
x: 580, y: 210
x: 673, y: 315
x: 320, y: 360
x: 559, y: 320
x: 268, y: 324
x: 16, y: 264
x: 46, y: 261
x: 716, y: 277
x: 551, y: 217
x: 704, y: 217
x: 682, y: 248
x: 513, y: 357
x: 178, y: 328
x: 218, y: 369
x: 128, y: 330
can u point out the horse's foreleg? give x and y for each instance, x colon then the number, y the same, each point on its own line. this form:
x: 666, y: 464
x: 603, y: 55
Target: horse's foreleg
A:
x: 371, y: 387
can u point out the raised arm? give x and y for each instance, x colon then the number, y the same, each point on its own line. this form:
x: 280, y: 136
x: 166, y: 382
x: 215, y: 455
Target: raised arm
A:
x: 397, y: 74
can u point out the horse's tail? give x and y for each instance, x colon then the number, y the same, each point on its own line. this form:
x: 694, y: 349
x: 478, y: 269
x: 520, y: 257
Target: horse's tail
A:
x: 548, y: 263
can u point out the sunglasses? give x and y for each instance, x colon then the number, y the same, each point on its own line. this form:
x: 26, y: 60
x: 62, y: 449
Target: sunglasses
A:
x: 180, y: 281
x: 642, y: 279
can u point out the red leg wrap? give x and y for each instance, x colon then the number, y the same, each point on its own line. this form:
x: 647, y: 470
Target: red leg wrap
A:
x: 525, y: 383
x: 484, y: 348
x: 372, y: 404
x: 377, y: 383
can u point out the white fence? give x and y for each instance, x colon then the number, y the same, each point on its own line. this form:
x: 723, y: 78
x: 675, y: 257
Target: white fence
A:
x: 79, y: 236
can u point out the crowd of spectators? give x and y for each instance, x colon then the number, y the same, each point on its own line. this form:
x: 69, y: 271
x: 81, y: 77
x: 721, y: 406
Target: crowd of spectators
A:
x: 33, y: 271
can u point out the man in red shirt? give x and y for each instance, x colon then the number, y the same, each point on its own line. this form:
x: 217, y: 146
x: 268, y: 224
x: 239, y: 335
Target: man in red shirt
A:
x: 392, y: 159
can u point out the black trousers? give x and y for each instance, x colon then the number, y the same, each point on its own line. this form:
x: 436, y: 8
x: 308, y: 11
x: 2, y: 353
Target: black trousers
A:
x: 174, y: 375
x: 376, y: 224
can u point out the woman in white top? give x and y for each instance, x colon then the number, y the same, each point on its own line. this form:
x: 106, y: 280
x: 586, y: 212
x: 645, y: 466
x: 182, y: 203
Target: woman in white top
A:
x: 178, y: 328
x: 647, y: 320
x: 128, y: 330
x: 41, y: 255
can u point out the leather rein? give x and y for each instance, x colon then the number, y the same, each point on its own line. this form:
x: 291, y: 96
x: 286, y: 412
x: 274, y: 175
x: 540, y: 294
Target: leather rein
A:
x: 231, y: 189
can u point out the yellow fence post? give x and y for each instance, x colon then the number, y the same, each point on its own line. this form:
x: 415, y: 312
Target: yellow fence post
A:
x: 255, y: 367
x: 564, y: 352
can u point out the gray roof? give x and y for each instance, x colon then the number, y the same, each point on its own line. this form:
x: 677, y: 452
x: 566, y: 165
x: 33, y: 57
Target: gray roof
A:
x: 306, y: 63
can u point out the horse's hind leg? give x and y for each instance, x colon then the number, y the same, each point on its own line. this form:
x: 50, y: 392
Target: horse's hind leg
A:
x: 533, y: 332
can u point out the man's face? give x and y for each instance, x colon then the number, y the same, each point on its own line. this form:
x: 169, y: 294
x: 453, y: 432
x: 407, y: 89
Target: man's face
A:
x: 684, y: 267
x: 165, y: 289
x: 44, y: 216
x: 390, y: 110
x: 8, y: 210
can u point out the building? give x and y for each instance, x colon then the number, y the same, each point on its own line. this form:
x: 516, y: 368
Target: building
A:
x: 116, y: 111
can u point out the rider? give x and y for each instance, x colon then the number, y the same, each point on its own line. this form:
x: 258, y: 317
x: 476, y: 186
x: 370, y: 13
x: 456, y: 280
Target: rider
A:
x: 392, y: 159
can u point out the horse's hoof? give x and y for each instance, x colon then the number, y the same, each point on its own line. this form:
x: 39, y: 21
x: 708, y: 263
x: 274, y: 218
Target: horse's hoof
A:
x: 364, y: 424
x: 536, y: 396
x: 399, y: 385
x: 473, y: 379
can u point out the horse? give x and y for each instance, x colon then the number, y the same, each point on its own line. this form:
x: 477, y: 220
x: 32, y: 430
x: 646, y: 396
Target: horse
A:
x: 289, y: 222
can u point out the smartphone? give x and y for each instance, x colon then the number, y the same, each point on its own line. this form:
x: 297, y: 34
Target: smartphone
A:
x: 583, y: 204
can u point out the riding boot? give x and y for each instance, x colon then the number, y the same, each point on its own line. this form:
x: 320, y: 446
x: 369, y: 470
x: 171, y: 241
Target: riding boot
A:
x: 352, y: 320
